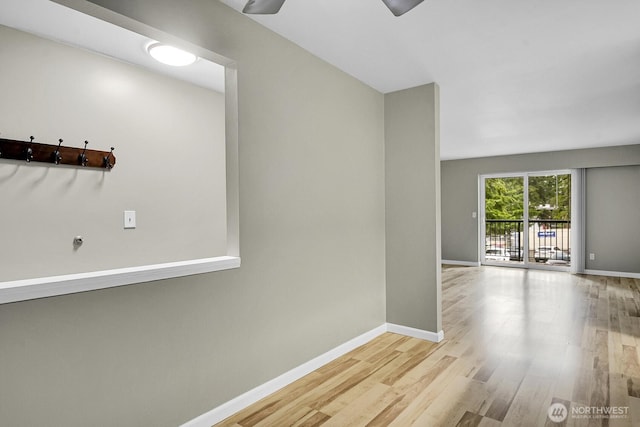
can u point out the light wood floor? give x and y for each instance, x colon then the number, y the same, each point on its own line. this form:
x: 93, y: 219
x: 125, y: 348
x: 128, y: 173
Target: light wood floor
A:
x: 516, y: 341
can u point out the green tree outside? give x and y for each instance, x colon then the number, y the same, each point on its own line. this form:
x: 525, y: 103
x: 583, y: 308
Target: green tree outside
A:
x: 504, y: 198
x: 549, y: 197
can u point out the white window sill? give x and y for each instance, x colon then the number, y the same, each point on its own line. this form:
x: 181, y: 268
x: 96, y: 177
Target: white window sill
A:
x: 22, y: 290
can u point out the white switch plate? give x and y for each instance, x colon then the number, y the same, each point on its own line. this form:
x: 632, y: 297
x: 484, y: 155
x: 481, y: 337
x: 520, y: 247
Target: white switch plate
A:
x: 474, y: 215
x: 129, y: 219
x: 592, y: 257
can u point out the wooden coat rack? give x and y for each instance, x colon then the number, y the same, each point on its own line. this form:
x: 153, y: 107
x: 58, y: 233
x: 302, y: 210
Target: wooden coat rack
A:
x: 30, y: 151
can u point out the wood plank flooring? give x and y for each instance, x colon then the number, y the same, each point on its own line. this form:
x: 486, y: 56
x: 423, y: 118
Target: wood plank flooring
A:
x: 516, y: 341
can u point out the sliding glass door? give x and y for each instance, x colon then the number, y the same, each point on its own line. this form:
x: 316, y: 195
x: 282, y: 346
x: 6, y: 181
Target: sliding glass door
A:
x: 526, y: 219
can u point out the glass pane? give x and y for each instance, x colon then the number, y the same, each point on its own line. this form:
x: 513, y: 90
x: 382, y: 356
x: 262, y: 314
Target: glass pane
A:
x: 550, y: 219
x: 504, y: 210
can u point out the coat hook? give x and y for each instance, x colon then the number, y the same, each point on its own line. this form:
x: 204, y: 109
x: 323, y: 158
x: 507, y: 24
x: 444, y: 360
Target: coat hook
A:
x: 28, y: 152
x: 56, y: 154
x: 82, y: 157
x: 106, y: 162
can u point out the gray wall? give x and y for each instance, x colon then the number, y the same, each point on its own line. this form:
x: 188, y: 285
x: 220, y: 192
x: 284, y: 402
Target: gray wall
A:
x: 311, y: 158
x: 613, y: 229
x: 460, y: 191
x: 170, y: 150
x: 412, y: 167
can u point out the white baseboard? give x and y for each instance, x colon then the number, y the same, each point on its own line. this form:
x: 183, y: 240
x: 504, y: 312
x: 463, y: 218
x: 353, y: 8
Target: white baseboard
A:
x: 237, y: 404
x: 465, y: 263
x: 613, y: 273
x: 244, y: 400
x: 415, y: 333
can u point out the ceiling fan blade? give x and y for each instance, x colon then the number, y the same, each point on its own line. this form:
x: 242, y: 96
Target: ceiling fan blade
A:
x: 400, y: 7
x: 263, y: 7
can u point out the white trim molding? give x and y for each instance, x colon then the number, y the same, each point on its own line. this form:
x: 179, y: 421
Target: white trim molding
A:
x: 578, y: 220
x: 465, y: 263
x: 247, y: 399
x: 22, y: 290
x: 237, y: 404
x: 415, y: 333
x: 612, y: 273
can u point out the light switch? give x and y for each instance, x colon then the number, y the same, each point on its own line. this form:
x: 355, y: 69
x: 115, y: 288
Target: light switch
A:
x: 474, y: 215
x: 129, y: 219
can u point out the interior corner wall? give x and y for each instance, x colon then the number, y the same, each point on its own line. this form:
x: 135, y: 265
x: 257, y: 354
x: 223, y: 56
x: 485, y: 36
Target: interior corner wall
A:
x: 311, y: 166
x: 412, y: 186
x: 612, y: 227
x: 460, y: 191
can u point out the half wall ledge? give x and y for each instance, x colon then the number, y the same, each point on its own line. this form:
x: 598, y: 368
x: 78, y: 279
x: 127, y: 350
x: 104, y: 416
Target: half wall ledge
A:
x: 27, y: 289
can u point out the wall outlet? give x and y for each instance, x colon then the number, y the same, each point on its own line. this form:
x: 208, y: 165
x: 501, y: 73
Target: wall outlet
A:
x: 129, y: 219
x: 592, y: 257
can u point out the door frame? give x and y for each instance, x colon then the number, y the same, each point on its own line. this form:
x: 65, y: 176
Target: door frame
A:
x: 576, y: 213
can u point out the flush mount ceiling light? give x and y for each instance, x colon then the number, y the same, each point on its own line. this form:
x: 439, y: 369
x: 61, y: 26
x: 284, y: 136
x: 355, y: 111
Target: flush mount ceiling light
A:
x: 171, y: 55
x: 269, y: 7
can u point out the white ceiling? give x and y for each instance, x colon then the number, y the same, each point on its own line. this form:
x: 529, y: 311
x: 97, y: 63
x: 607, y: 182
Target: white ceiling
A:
x: 515, y: 76
x: 56, y: 22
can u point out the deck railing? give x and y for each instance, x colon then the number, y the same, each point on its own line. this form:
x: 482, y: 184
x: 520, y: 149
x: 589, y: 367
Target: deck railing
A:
x: 549, y: 240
